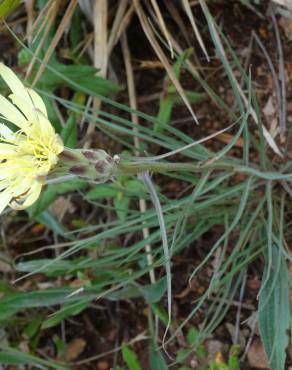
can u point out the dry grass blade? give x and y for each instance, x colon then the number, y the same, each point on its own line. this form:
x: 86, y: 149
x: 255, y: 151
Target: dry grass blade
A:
x: 41, y: 15
x: 162, y: 25
x: 131, y: 87
x: 40, y: 23
x: 158, y: 50
x: 133, y: 105
x: 219, y: 45
x: 100, y: 16
x: 177, y: 18
x: 272, y: 69
x: 266, y: 132
x: 88, y: 40
x: 47, y: 23
x: 100, y: 36
x: 113, y: 37
x: 189, y: 13
x: 125, y: 22
x: 29, y: 5
x: 62, y: 26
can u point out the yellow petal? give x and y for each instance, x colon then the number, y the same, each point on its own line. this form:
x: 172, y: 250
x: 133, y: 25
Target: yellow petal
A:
x: 6, y: 132
x: 16, y: 167
x: 21, y: 187
x: 36, y: 117
x: 25, y: 108
x: 30, y: 198
x: 14, y: 83
x: 46, y: 126
x: 12, y: 114
x: 58, y: 145
x: 37, y: 101
x: 7, y: 150
x: 3, y: 184
x: 5, y: 198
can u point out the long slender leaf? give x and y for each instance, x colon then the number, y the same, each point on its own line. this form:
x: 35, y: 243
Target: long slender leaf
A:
x: 274, y: 311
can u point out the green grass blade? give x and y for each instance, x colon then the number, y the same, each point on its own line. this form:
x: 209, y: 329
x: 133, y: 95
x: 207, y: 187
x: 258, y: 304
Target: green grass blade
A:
x: 274, y: 312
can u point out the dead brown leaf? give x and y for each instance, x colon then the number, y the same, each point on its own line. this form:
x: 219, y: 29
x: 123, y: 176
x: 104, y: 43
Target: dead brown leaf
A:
x: 270, y: 113
x: 74, y: 349
x: 102, y: 365
x: 286, y: 25
x: 61, y: 206
x: 256, y: 355
x: 226, y: 139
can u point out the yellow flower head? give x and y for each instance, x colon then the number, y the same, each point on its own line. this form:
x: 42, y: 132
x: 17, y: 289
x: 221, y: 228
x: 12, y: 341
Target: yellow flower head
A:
x: 28, y: 153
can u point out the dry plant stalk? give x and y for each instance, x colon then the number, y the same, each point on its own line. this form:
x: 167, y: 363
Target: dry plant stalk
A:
x: 189, y: 13
x: 48, y: 22
x: 114, y: 35
x: 29, y: 5
x: 133, y: 105
x: 62, y: 26
x: 158, y: 50
x: 100, y: 16
x: 162, y: 25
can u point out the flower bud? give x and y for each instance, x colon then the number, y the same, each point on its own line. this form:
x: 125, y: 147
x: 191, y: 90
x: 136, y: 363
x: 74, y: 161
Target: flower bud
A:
x: 93, y: 165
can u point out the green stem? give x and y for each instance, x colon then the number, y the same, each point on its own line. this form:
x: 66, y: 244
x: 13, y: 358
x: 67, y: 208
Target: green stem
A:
x: 135, y: 167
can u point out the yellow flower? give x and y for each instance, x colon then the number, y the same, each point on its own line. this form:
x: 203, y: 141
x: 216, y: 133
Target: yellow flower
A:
x: 28, y: 151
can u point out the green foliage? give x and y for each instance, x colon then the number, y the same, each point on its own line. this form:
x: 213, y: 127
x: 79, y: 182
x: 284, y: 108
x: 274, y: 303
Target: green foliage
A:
x: 121, y: 194
x: 192, y: 337
x: 130, y: 358
x: 274, y: 310
x: 11, y: 356
x: 7, y: 7
x: 194, y: 347
x: 59, y: 74
x: 157, y: 361
x: 249, y: 211
x: 169, y: 97
x: 66, y: 311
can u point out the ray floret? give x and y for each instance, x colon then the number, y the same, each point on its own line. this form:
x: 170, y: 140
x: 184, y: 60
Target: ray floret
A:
x: 29, y: 145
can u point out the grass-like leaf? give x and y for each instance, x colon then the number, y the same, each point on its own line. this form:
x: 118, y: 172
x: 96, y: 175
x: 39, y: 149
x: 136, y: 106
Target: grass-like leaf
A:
x: 274, y: 311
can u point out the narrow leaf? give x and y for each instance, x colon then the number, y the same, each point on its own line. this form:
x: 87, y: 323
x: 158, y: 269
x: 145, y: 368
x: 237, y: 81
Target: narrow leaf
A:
x: 274, y: 311
x: 130, y: 358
